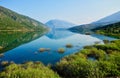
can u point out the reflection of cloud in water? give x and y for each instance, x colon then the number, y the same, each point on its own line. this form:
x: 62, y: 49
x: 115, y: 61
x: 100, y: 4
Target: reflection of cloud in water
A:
x: 59, y: 34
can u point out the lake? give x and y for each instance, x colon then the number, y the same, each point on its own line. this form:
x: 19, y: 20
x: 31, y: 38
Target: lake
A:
x: 22, y: 47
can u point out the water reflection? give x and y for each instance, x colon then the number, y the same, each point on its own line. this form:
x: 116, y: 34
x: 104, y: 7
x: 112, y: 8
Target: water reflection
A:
x: 10, y: 40
x: 59, y: 34
x: 21, y: 47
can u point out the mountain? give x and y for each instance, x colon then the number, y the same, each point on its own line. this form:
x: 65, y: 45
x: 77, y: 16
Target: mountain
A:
x: 109, y: 19
x: 10, y: 20
x: 114, y: 18
x: 59, y: 24
x: 109, y: 30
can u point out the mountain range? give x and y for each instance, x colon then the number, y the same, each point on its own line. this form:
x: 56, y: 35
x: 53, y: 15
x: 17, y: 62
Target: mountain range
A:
x: 111, y: 19
x: 10, y: 20
x: 59, y: 24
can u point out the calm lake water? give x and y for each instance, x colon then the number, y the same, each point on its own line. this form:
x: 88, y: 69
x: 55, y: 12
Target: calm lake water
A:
x: 22, y: 47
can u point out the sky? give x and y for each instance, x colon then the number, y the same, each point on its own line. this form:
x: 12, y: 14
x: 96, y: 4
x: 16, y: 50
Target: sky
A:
x: 75, y: 11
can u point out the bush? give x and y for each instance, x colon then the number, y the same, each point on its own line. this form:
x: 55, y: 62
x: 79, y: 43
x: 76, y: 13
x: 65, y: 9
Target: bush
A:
x: 1, y: 55
x: 94, y: 53
x: 108, y: 69
x: 88, y: 47
x: 80, y: 68
x: 28, y: 70
x: 42, y: 49
x: 107, y: 63
x: 69, y: 45
x: 1, y: 47
x: 106, y: 41
x: 4, y: 63
x: 61, y: 50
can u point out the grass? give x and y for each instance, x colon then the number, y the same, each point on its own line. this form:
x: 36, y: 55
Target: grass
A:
x: 4, y: 63
x: 1, y: 47
x: 44, y: 49
x: 69, y: 45
x: 61, y: 50
x: 1, y: 55
x: 106, y: 41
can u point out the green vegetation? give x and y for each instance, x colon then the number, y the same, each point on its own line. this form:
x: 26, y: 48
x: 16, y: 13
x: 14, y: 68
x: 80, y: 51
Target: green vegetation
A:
x: 1, y: 55
x: 16, y: 29
x: 28, y: 70
x: 1, y: 47
x: 97, y: 61
x: 61, y: 50
x: 44, y: 49
x: 112, y: 30
x: 12, y: 21
x: 4, y: 63
x: 69, y: 45
x: 106, y: 41
x: 105, y: 62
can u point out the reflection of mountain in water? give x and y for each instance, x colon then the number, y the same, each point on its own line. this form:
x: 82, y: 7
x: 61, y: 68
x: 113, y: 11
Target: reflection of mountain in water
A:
x: 101, y: 37
x: 10, y: 40
x: 59, y: 34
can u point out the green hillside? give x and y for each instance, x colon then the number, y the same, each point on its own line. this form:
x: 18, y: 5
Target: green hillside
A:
x: 10, y: 20
x: 109, y: 30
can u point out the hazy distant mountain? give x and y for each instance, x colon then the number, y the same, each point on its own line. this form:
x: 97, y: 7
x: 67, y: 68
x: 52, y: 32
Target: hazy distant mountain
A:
x: 100, y: 23
x: 10, y: 20
x: 109, y: 19
x: 59, y: 24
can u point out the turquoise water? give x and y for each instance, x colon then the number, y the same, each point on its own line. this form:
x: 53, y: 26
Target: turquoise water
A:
x: 29, y: 50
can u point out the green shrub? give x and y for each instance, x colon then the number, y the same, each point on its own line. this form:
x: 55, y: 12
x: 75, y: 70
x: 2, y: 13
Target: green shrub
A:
x: 69, y: 45
x: 108, y: 69
x: 94, y: 53
x: 42, y: 49
x: 1, y: 47
x: 106, y: 41
x: 1, y: 55
x: 28, y: 70
x: 107, y: 63
x: 88, y: 47
x: 80, y: 68
x: 4, y: 63
x: 61, y: 50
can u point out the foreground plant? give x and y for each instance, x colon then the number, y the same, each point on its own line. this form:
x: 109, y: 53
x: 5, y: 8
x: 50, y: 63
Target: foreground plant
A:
x: 104, y: 64
x: 28, y: 70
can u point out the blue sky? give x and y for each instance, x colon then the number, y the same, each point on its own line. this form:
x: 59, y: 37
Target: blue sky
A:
x: 75, y: 11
